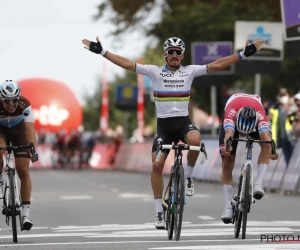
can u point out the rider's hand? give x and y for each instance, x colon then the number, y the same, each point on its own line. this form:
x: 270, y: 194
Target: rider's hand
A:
x: 34, y: 157
x: 273, y: 157
x: 95, y: 47
x: 251, y: 49
x: 224, y: 153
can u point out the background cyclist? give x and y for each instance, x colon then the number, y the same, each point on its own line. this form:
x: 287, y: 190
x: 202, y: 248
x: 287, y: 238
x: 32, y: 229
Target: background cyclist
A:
x: 171, y: 89
x: 244, y: 115
x: 17, y: 124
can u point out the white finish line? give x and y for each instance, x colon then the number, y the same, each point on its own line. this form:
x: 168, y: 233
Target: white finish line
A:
x: 120, y: 242
x: 76, y: 197
x: 288, y: 246
x: 205, y: 217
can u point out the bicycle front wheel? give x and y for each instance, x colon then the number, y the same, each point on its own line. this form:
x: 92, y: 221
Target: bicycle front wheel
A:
x: 246, y: 200
x: 179, y: 194
x: 12, y: 205
x: 238, y: 213
x: 170, y: 211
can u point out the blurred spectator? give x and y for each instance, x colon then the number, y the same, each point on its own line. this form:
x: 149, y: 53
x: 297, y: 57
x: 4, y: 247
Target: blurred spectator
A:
x: 280, y: 125
x: 148, y: 132
x: 136, y: 136
x: 73, y: 146
x: 294, y: 118
x: 117, y: 142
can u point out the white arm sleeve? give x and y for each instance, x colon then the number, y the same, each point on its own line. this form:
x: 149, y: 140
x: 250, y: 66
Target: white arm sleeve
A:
x: 198, y: 70
x: 28, y: 114
x: 145, y: 69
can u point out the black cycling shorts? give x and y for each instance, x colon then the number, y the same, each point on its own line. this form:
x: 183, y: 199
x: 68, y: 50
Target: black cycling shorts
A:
x: 168, y: 128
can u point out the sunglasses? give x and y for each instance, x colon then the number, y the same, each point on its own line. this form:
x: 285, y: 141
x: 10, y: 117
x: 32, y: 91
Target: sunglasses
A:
x: 170, y: 52
x: 14, y: 100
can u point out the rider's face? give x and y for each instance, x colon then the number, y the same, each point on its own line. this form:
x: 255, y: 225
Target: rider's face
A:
x: 10, y: 105
x: 173, y: 59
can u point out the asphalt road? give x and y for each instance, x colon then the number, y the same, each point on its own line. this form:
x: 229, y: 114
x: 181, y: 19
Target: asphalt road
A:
x: 88, y: 209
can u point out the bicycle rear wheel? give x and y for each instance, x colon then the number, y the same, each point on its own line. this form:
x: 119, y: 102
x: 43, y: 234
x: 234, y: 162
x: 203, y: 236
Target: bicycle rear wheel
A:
x: 246, y: 200
x: 12, y: 201
x: 179, y: 194
x: 170, y: 211
x: 238, y: 213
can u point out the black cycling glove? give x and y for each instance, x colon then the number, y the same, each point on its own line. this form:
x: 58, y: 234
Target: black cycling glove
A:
x: 249, y: 50
x: 97, y: 48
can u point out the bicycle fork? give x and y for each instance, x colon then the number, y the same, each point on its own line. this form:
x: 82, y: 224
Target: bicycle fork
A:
x: 241, y: 196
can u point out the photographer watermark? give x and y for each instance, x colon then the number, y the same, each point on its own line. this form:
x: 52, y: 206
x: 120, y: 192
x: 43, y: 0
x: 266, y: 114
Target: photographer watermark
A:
x: 279, y: 237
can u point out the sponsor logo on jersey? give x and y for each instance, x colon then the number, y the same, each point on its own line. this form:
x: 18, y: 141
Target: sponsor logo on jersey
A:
x: 166, y: 74
x: 232, y: 113
x: 260, y: 116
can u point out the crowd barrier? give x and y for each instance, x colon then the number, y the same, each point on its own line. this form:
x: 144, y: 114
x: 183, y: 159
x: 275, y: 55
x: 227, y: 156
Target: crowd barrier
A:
x: 137, y: 157
x: 278, y: 177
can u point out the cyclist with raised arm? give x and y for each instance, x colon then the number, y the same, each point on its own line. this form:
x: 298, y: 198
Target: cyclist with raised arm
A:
x: 244, y: 116
x: 171, y: 89
x: 17, y: 124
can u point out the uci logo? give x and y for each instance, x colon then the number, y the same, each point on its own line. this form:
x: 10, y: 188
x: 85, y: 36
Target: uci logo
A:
x: 165, y: 74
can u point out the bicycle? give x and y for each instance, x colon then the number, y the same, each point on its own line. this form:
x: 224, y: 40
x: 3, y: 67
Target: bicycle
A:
x: 11, y: 196
x: 176, y: 187
x: 242, y: 200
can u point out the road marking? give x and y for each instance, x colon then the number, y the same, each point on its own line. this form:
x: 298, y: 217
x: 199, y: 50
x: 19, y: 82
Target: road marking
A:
x: 76, y: 197
x: 135, y: 195
x: 229, y: 247
x: 33, y: 228
x: 206, y: 217
x: 114, y: 190
x: 201, y: 196
x: 113, y: 242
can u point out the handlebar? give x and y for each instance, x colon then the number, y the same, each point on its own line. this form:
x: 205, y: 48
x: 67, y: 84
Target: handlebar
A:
x: 30, y: 146
x: 231, y: 139
x: 180, y: 147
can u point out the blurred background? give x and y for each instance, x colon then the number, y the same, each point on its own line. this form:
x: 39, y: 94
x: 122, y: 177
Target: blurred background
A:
x: 89, y: 113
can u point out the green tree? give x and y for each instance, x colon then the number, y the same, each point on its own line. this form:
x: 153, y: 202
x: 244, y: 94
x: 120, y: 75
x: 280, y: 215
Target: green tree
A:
x: 198, y: 21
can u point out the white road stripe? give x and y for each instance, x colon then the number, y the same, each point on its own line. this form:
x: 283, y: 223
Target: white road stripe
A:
x: 76, y: 197
x: 287, y: 246
x: 136, y: 195
x: 200, y: 196
x: 111, y: 242
x: 205, y: 217
x: 33, y: 228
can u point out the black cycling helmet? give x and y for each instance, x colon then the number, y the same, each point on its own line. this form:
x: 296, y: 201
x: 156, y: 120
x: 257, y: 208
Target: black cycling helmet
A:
x: 246, y: 120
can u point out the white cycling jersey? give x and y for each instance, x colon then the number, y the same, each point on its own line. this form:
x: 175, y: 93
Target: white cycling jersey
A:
x: 171, y: 91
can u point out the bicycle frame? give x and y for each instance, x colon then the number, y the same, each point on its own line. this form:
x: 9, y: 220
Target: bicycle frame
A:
x: 11, y: 196
x: 176, y: 204
x: 11, y: 170
x: 248, y: 161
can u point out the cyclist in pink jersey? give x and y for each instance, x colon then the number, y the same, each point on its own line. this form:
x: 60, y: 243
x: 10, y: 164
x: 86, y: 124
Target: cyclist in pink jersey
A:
x: 244, y: 116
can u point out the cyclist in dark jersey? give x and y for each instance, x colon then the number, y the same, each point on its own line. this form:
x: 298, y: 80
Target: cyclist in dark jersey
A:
x: 17, y: 124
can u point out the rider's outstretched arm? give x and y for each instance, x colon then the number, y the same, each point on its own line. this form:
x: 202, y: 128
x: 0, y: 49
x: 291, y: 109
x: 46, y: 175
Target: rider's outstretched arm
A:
x: 97, y: 48
x: 227, y: 61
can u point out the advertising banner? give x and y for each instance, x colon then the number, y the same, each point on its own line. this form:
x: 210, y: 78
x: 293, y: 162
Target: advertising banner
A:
x: 207, y: 52
x: 271, y: 34
x: 290, y: 10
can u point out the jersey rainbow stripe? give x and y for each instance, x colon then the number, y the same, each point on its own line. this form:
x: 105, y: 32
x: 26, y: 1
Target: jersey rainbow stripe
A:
x: 168, y: 96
